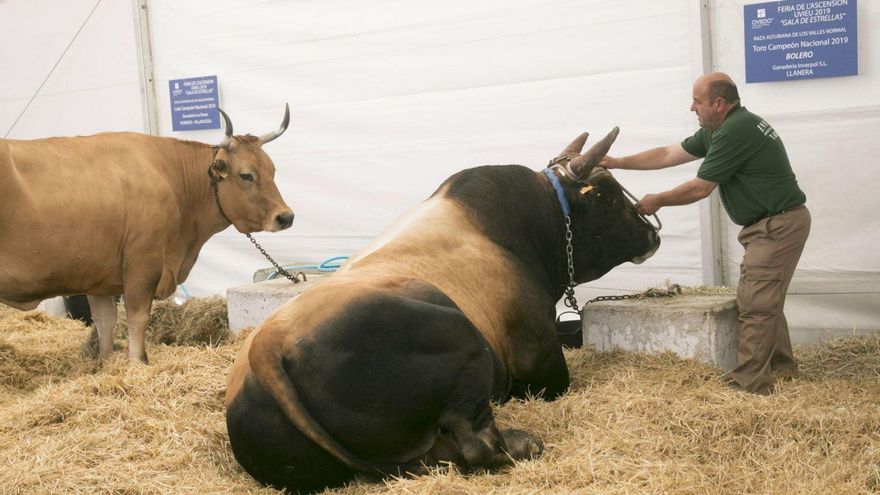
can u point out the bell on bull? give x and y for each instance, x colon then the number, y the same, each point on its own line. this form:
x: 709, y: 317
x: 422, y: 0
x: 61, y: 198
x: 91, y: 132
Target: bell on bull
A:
x: 392, y: 363
x: 125, y: 213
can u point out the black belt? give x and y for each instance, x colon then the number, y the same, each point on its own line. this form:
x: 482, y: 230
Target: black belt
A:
x: 793, y: 208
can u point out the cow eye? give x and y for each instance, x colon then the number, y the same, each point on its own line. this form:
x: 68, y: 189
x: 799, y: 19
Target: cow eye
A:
x: 246, y: 177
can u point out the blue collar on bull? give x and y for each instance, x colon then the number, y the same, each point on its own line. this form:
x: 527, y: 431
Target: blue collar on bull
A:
x: 569, y: 299
x: 560, y: 193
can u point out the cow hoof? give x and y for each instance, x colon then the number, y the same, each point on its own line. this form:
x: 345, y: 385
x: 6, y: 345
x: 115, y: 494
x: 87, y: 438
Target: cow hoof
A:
x: 521, y: 445
x: 141, y: 357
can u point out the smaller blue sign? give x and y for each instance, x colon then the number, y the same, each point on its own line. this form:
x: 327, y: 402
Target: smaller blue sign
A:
x: 800, y: 39
x: 194, y: 103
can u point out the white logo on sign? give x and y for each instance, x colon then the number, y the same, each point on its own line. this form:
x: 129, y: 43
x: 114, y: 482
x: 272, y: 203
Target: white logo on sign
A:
x: 762, y: 13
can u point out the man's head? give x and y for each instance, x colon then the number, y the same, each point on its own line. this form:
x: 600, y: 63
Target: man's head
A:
x: 714, y: 95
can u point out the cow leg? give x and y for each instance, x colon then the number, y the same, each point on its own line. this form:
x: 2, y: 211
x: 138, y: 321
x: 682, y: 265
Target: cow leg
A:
x: 139, y: 289
x: 104, y: 316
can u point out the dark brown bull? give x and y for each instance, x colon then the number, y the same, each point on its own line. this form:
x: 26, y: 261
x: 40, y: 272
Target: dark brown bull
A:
x: 391, y: 363
x: 125, y: 213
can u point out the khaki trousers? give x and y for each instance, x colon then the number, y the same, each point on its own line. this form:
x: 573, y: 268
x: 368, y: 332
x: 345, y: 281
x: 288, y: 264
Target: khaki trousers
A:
x: 773, y: 247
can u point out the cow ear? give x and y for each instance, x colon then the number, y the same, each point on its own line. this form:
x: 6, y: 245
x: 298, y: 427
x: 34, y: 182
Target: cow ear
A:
x: 582, y: 165
x: 218, y: 170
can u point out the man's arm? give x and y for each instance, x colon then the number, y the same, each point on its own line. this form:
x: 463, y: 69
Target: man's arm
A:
x: 653, y: 159
x: 685, y: 194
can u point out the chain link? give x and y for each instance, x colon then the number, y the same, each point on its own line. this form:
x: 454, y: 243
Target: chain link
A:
x: 293, y: 278
x: 670, y: 291
x: 570, y: 301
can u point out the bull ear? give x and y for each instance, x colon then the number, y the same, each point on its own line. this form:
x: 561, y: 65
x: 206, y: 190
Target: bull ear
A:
x: 228, y: 124
x: 576, y: 146
x: 265, y: 138
x: 582, y: 165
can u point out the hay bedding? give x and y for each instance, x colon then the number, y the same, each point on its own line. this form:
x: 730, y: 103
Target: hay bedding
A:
x: 631, y: 424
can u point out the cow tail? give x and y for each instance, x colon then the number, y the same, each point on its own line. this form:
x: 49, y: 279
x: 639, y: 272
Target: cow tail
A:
x: 265, y: 363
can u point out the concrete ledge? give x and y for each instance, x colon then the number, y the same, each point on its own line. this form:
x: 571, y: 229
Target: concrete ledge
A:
x: 53, y: 306
x: 248, y: 305
x: 702, y: 327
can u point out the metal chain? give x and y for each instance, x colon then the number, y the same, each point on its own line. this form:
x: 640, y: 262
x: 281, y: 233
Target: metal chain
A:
x: 671, y: 291
x: 570, y: 300
x: 293, y: 278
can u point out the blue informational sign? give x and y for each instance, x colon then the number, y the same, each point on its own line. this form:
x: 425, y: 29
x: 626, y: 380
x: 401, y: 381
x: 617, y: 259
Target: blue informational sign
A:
x: 800, y: 39
x: 194, y: 103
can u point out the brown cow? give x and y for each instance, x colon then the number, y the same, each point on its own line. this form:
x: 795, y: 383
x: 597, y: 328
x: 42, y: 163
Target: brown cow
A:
x: 391, y: 363
x: 125, y: 213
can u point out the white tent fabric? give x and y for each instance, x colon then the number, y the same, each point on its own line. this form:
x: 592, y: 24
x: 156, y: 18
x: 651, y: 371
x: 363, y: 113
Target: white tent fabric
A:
x: 390, y: 98
x: 85, y: 55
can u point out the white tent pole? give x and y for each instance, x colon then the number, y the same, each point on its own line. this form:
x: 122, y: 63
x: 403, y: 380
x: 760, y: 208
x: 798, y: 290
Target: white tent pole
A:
x: 711, y: 223
x: 145, y: 67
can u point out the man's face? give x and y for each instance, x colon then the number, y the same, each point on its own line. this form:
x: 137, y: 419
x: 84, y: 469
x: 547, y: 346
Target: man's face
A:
x: 708, y: 111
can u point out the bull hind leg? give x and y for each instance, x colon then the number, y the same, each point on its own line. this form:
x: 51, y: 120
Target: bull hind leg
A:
x: 469, y: 422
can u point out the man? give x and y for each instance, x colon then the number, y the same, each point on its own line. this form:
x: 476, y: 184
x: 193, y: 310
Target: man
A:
x: 745, y: 157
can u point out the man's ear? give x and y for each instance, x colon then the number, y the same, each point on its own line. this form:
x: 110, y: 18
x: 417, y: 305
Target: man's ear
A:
x: 218, y: 170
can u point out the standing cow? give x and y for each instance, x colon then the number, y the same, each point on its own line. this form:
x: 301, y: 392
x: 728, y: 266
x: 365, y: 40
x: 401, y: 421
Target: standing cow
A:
x: 125, y: 213
x: 392, y: 362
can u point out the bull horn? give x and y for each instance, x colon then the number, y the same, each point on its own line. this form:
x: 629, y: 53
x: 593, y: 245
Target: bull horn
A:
x: 228, y: 125
x: 584, y: 163
x: 265, y: 138
x: 576, y: 146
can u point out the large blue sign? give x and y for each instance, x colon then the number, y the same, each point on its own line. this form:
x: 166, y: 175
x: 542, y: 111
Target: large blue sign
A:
x: 800, y: 39
x: 194, y: 103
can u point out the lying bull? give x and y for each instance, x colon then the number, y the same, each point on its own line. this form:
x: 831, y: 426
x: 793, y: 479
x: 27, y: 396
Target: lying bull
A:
x: 125, y: 213
x: 390, y: 364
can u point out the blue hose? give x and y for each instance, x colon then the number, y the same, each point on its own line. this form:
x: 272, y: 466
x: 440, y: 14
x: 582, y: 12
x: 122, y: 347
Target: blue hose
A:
x: 327, y: 265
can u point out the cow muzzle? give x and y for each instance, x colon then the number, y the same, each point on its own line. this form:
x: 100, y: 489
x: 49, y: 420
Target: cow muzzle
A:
x: 280, y: 219
x: 284, y: 220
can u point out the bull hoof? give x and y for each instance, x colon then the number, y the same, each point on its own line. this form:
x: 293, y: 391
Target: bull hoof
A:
x: 521, y: 445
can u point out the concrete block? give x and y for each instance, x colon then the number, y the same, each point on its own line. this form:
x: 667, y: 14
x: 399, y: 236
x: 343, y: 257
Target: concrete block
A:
x: 698, y: 326
x: 53, y: 306
x: 248, y: 305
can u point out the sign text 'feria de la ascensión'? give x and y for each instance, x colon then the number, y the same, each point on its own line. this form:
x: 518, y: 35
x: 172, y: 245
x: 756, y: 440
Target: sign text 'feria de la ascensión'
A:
x: 800, y: 39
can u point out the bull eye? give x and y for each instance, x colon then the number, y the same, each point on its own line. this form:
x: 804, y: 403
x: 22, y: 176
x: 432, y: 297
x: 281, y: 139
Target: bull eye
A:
x: 246, y: 177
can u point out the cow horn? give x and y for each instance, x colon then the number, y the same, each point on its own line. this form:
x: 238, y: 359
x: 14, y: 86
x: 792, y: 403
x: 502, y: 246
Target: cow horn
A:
x: 576, y: 146
x: 265, y: 138
x: 582, y: 164
x: 228, y: 124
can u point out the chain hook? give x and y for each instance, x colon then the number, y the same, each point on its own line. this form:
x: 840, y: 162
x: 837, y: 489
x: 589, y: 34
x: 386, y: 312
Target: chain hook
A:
x: 293, y: 278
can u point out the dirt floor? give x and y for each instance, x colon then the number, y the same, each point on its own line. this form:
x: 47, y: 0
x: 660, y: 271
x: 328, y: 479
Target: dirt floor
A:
x: 631, y: 423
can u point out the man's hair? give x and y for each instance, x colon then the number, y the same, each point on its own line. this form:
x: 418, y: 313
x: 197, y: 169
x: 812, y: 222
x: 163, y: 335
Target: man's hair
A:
x: 723, y: 89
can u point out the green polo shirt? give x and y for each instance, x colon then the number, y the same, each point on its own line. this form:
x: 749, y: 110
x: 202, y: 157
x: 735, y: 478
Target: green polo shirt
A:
x: 747, y: 159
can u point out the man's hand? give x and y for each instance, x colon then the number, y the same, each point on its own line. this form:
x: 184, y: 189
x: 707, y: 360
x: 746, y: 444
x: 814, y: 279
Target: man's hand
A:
x: 609, y: 162
x: 649, y: 204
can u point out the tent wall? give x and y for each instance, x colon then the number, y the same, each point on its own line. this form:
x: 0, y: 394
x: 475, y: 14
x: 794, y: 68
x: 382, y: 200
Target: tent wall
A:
x: 84, y: 51
x: 390, y: 98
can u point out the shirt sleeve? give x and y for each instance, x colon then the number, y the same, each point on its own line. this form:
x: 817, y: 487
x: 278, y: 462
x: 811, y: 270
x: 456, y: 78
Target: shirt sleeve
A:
x: 697, y: 144
x: 726, y: 155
